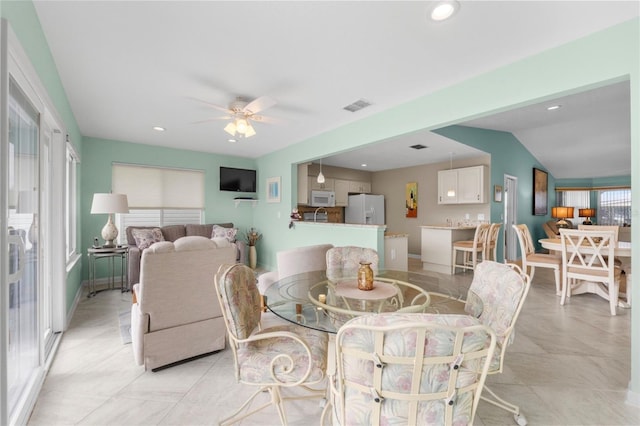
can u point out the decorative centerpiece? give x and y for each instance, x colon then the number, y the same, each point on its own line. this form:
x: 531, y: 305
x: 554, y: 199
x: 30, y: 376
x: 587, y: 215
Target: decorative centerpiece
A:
x: 252, y: 238
x: 365, y: 276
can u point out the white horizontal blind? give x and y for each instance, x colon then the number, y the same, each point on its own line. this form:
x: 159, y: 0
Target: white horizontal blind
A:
x: 159, y: 188
x: 155, y: 217
x: 614, y: 207
x: 576, y: 199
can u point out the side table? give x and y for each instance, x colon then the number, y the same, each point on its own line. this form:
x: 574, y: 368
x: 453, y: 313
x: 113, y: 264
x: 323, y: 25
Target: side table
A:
x: 112, y: 254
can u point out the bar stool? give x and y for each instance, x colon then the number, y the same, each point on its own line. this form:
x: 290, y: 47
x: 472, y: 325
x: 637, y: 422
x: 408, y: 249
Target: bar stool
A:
x: 470, y: 249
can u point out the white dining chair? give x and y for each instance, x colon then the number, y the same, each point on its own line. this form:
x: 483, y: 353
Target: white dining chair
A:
x: 588, y: 261
x: 531, y: 259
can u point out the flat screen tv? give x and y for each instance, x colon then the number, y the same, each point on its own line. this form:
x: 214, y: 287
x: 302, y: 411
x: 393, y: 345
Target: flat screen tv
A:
x: 237, y: 180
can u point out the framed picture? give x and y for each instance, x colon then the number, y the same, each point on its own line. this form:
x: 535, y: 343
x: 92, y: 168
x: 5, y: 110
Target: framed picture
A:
x: 540, y: 178
x: 273, y: 190
x: 497, y: 193
x: 411, y: 199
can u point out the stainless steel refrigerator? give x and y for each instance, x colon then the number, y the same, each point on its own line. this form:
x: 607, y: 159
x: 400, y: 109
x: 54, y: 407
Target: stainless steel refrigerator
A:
x: 366, y: 209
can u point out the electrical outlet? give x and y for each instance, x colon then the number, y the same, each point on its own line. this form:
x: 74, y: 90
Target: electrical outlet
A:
x: 467, y: 216
x: 480, y: 216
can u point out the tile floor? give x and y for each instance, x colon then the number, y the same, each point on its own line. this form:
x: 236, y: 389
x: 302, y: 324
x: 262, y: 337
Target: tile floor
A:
x: 568, y: 366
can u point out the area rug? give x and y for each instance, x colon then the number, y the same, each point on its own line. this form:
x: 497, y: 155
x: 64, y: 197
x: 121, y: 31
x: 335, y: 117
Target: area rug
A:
x: 124, y: 319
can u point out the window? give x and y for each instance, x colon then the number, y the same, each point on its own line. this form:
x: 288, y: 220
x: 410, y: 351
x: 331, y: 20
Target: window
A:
x: 71, y: 201
x: 158, y: 196
x: 576, y: 199
x: 614, y: 207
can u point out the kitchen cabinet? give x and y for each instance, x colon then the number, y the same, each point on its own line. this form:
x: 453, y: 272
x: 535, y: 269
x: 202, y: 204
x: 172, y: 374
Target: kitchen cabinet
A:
x: 360, y: 187
x: 303, y: 183
x: 328, y: 184
x: 468, y: 183
x: 437, y: 244
x: 341, y: 188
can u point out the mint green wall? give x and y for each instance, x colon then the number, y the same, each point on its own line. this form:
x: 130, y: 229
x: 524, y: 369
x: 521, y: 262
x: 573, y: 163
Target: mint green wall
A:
x: 609, y: 56
x: 24, y: 22
x: 508, y: 156
x: 100, y: 154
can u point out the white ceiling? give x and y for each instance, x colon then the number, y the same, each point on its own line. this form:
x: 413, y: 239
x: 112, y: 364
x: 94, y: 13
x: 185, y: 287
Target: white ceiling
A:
x: 129, y: 66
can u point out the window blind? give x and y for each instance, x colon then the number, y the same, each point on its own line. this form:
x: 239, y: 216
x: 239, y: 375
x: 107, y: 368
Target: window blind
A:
x: 159, y: 188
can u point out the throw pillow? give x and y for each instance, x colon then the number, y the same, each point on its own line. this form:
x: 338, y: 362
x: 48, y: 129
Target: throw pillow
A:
x: 222, y: 232
x: 146, y: 237
x: 221, y: 242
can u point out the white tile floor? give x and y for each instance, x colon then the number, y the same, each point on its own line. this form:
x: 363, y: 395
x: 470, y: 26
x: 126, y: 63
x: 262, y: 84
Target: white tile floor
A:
x: 568, y: 365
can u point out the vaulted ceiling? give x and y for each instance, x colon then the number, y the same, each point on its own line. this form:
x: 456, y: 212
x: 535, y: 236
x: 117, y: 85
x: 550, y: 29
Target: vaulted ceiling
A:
x: 129, y: 66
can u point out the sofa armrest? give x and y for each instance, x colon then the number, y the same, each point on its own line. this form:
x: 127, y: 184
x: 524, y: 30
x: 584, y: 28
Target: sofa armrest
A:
x: 242, y: 252
x: 133, y: 267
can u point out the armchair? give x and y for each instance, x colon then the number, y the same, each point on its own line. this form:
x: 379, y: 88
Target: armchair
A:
x: 271, y: 358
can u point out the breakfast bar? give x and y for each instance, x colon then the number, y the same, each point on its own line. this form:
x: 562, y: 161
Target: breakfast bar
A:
x: 436, y: 244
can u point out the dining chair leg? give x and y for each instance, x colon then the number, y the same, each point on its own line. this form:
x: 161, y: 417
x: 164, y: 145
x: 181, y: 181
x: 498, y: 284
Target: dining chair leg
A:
x: 556, y: 275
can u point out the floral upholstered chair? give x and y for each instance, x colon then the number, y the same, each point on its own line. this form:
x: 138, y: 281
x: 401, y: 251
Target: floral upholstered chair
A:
x: 411, y: 368
x: 496, y: 296
x: 348, y: 258
x: 271, y: 358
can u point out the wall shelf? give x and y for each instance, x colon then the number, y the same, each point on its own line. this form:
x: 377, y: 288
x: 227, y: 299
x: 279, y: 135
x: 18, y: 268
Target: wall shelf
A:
x: 253, y: 202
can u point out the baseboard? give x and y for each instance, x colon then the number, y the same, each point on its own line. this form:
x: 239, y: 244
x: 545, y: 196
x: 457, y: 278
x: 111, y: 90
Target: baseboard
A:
x: 74, y: 305
x: 414, y: 256
x: 633, y: 398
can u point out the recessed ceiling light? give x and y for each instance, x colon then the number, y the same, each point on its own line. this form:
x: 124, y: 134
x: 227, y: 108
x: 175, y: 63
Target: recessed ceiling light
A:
x: 363, y: 165
x: 159, y: 129
x: 553, y: 107
x: 444, y: 10
x: 233, y: 140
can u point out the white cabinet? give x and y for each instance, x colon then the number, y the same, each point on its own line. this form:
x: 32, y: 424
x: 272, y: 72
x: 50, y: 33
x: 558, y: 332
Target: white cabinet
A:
x: 467, y: 185
x: 328, y: 184
x: 396, y: 254
x: 303, y: 183
x: 341, y: 188
x: 360, y: 187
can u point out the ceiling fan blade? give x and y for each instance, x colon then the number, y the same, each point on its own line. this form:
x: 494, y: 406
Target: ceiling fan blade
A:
x: 218, y: 107
x: 211, y: 119
x: 265, y: 119
x: 257, y: 105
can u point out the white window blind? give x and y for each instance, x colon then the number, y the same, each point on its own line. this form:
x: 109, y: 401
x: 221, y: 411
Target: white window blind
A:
x: 159, y: 188
x: 576, y: 199
x: 614, y: 207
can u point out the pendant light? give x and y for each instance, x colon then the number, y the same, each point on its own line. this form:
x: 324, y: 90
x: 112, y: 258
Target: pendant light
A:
x: 320, y: 175
x: 451, y: 192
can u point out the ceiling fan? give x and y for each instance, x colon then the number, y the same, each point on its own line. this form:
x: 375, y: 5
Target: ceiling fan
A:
x: 242, y: 113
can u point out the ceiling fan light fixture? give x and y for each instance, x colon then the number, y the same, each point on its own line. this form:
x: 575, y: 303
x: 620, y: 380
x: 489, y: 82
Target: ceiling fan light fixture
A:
x: 231, y: 128
x: 250, y: 131
x: 241, y: 125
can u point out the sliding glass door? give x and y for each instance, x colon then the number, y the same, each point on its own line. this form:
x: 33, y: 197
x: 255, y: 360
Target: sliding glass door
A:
x: 23, y: 354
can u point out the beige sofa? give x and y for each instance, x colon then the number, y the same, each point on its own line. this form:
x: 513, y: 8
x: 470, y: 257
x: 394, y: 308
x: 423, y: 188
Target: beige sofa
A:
x: 551, y: 229
x: 175, y: 315
x: 172, y: 233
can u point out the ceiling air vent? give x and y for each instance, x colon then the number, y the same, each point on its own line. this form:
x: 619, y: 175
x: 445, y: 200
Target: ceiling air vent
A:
x: 418, y: 146
x: 357, y: 105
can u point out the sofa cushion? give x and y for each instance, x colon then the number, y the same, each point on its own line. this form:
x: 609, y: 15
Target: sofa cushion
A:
x: 222, y: 232
x: 146, y: 237
x: 173, y: 232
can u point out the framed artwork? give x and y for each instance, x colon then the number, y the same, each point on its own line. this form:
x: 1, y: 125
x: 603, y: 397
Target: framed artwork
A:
x: 273, y: 190
x: 540, y: 178
x: 497, y: 193
x: 411, y: 199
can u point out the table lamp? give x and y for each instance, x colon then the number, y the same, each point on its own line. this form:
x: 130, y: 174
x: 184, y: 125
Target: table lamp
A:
x: 588, y: 213
x: 562, y: 213
x: 109, y: 203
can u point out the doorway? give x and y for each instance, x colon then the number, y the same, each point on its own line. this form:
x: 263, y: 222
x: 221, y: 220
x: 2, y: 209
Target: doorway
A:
x: 510, y: 217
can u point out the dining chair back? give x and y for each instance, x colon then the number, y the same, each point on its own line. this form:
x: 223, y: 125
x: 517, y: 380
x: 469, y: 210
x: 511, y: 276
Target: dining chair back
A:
x: 491, y: 247
x: 471, y: 250
x: 589, y: 256
x: 496, y: 297
x: 349, y: 258
x: 271, y: 358
x: 531, y: 259
x: 410, y: 368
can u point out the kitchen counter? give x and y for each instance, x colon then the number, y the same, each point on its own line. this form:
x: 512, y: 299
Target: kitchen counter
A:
x: 437, y: 245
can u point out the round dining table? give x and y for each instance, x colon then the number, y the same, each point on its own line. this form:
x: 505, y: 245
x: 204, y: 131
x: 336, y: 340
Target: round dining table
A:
x: 324, y: 300
x: 622, y: 248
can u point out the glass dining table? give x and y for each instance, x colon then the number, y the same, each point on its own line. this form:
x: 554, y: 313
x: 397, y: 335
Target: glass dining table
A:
x: 325, y: 300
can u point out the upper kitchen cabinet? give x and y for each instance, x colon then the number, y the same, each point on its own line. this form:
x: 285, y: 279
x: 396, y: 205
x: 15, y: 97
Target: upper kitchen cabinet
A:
x: 341, y: 188
x: 327, y: 185
x: 467, y: 185
x: 360, y: 187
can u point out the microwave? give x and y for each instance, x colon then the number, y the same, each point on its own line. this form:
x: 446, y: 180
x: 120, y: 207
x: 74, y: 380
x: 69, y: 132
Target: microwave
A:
x: 323, y: 199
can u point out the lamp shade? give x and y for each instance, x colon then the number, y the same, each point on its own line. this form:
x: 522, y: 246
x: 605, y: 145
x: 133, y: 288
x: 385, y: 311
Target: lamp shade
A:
x: 561, y: 212
x: 109, y: 203
x: 586, y: 212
